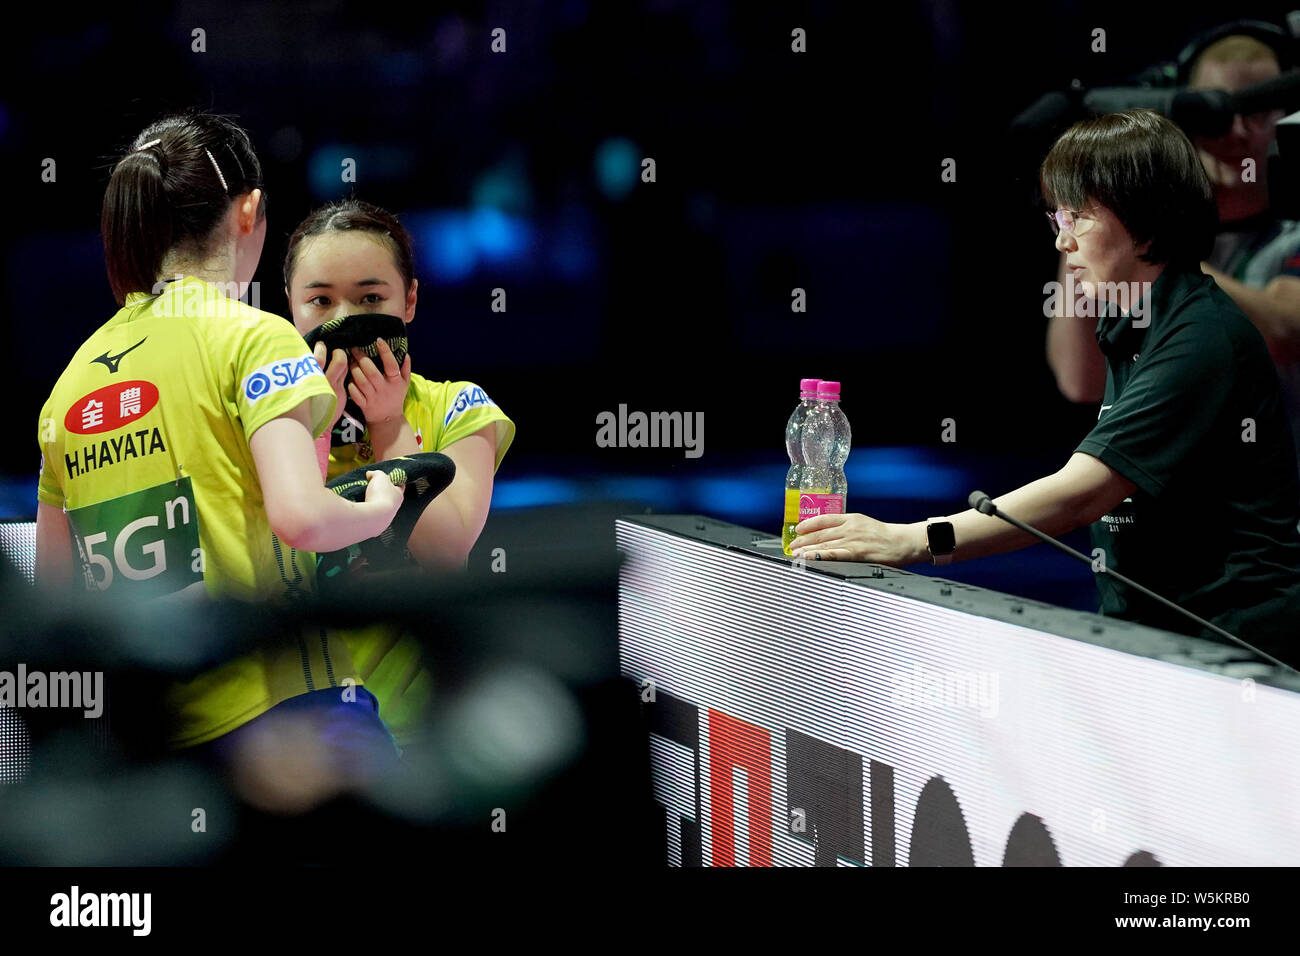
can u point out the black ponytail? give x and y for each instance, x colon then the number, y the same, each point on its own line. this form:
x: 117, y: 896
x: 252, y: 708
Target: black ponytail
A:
x: 173, y: 187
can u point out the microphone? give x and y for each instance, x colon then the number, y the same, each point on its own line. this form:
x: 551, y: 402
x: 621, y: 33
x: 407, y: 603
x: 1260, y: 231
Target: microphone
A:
x: 1280, y: 92
x: 985, y: 506
x: 1208, y: 112
x: 1046, y: 113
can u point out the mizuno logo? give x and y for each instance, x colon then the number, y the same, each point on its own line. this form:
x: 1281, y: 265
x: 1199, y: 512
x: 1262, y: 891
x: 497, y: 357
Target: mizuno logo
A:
x: 111, y: 361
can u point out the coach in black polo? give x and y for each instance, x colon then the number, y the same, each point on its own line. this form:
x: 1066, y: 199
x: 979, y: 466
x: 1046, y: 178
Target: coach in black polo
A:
x: 1193, y: 417
x: 1188, y: 480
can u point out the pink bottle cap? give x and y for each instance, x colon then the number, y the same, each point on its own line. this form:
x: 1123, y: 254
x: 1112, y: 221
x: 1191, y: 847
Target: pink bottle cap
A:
x: 808, y: 387
x: 829, y: 391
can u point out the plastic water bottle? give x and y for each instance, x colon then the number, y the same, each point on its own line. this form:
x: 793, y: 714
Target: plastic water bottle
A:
x: 823, y: 489
x: 830, y: 392
x: 794, y: 448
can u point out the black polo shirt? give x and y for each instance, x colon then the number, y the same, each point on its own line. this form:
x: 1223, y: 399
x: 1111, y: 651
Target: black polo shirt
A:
x: 1212, y: 523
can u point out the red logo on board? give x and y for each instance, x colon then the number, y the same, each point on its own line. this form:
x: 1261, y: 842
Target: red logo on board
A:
x: 111, y: 407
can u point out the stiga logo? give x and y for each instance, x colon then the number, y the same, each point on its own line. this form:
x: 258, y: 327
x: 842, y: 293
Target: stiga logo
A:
x: 111, y: 407
x: 467, y: 398
x: 278, y: 375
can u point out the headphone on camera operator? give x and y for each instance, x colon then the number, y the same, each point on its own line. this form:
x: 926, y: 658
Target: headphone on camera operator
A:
x: 1163, y: 88
x: 1178, y: 72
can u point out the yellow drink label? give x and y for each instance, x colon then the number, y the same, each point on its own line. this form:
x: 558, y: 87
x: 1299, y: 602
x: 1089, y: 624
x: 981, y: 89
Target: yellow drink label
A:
x: 791, y: 506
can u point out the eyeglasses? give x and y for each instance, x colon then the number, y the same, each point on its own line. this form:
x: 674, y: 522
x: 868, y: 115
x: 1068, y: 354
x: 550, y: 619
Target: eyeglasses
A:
x: 1069, y: 221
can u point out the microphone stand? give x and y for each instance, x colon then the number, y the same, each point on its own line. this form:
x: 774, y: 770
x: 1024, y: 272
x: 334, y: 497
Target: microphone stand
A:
x: 985, y: 506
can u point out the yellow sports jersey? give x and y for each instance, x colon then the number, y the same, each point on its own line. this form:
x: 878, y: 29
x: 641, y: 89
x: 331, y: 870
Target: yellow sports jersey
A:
x: 440, y: 414
x: 145, y: 445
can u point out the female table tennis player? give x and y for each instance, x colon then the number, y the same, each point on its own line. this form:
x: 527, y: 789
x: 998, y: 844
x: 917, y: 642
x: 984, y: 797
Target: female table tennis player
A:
x: 350, y: 258
x: 179, y: 438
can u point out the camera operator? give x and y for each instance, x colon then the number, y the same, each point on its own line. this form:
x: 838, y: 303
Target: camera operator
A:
x: 1256, y: 254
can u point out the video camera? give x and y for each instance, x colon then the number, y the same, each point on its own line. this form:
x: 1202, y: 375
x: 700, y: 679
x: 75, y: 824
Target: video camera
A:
x: 1204, y: 112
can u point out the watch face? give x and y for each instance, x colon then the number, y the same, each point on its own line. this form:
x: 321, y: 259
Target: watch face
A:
x: 941, y: 537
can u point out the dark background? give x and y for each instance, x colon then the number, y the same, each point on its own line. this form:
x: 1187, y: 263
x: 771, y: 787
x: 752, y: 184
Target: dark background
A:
x: 775, y: 170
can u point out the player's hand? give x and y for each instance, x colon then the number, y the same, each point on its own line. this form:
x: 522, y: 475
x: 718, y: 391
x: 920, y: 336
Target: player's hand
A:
x: 855, y: 537
x: 379, y: 394
x: 335, y: 374
x: 381, y: 491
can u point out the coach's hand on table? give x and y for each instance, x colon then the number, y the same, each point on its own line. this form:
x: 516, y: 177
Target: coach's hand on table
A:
x: 855, y: 537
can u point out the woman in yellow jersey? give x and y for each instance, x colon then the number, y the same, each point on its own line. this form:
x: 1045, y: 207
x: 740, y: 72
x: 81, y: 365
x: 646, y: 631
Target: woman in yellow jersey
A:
x: 178, y: 443
x: 352, y: 257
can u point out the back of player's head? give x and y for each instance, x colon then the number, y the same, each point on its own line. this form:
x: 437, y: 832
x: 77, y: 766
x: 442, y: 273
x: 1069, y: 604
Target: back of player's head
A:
x: 354, y: 215
x: 1235, y: 48
x: 171, y: 189
x: 1144, y: 169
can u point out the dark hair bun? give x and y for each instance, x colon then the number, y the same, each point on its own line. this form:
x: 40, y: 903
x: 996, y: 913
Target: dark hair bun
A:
x: 154, y: 152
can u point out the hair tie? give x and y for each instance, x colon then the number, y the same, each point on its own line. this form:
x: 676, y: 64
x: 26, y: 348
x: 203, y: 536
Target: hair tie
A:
x: 218, y: 169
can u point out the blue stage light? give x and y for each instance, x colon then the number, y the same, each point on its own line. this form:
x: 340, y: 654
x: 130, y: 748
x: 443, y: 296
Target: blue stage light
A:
x: 444, y: 244
x: 535, y: 492
x: 617, y: 166
x: 499, y: 238
x: 905, y: 473
x: 660, y: 493
x: 374, y: 164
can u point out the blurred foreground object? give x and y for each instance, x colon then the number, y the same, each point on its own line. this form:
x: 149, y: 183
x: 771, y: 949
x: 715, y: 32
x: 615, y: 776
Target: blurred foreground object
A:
x: 533, y: 749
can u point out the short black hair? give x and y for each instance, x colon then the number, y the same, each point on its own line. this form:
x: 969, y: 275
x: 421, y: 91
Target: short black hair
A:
x: 354, y: 215
x: 1140, y: 166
